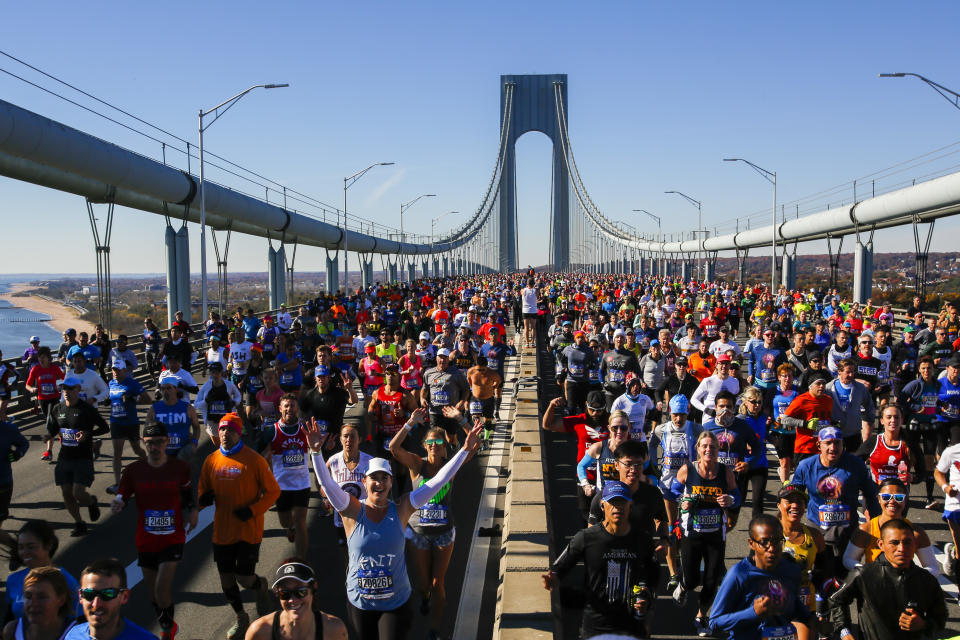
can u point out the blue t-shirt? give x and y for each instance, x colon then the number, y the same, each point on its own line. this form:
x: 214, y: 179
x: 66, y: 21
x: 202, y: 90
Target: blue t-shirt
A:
x: 130, y: 631
x: 949, y: 401
x: 176, y: 419
x: 123, y: 401
x: 89, y: 352
x: 835, y: 491
x: 293, y: 377
x: 15, y: 590
x: 250, y: 328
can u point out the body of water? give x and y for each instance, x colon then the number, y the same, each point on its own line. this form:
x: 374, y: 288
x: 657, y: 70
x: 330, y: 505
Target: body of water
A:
x: 18, y: 325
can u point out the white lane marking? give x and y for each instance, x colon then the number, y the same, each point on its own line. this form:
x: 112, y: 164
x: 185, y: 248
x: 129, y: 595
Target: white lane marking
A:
x: 204, y: 520
x: 471, y: 593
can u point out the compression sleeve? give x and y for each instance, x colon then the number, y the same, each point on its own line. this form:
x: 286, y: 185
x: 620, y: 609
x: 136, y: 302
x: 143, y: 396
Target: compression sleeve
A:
x: 422, y: 494
x: 928, y: 560
x: 582, y: 466
x: 339, y: 499
x: 853, y: 556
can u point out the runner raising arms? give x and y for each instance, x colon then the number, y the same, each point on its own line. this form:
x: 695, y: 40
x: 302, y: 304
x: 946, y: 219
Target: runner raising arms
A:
x: 166, y: 512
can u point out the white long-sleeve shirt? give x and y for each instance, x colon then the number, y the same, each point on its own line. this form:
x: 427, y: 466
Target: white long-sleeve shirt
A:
x: 92, y: 385
x: 201, y: 403
x: 705, y: 396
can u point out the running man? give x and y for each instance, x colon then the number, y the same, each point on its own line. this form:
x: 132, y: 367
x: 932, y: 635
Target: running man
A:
x: 166, y: 512
x: 287, y: 453
x: 484, y: 382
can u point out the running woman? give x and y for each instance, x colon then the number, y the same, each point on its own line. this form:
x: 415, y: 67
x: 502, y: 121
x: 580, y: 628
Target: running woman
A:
x: 166, y: 512
x: 295, y: 586
x: 348, y: 468
x: 125, y: 394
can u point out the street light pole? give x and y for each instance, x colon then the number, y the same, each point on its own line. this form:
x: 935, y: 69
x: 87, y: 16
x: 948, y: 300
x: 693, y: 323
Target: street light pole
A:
x: 771, y: 177
x: 939, y: 88
x: 699, y: 206
x: 225, y: 106
x: 659, y: 231
x: 404, y: 207
x: 347, y: 183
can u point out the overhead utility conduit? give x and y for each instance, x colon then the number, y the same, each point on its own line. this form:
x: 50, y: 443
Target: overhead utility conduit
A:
x: 39, y: 150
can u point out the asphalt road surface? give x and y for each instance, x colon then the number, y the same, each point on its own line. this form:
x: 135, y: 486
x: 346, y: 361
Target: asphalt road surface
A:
x: 201, y: 610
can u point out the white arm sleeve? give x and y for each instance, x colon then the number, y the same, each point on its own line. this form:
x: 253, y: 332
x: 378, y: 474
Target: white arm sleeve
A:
x: 338, y: 498
x: 928, y: 560
x: 699, y: 395
x: 421, y: 495
x: 853, y: 556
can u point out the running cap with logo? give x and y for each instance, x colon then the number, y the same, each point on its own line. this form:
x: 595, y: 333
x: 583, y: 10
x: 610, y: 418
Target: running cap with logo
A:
x: 321, y: 370
x: 424, y: 335
x: 169, y: 378
x: 615, y: 489
x: 443, y: 351
x: 232, y: 421
x: 118, y: 364
x: 155, y: 430
x: 724, y: 357
x: 295, y: 571
x: 596, y: 400
x: 379, y: 464
x: 620, y: 332
x: 70, y: 382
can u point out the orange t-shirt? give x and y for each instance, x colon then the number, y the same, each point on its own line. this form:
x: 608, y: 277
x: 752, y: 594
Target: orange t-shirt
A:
x: 243, y: 479
x: 805, y: 407
x: 701, y: 367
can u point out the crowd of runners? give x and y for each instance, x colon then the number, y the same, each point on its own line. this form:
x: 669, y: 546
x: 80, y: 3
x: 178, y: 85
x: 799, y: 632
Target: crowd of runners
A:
x: 682, y: 398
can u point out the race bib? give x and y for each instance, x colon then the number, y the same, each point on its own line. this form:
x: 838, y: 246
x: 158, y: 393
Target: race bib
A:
x: 831, y: 515
x: 387, y: 358
x: 440, y: 398
x: 322, y: 424
x: 118, y: 410
x: 476, y: 407
x: 254, y: 382
x: 159, y: 522
x: 575, y: 369
x: 68, y: 437
x: 594, y: 375
x: 286, y: 378
x: 928, y: 401
x: 176, y: 440
x: 292, y: 458
x: 218, y: 407
x: 433, y: 515
x: 616, y: 375
x: 706, y: 520
x: 493, y: 364
x: 728, y: 459
x: 951, y: 410
x: 375, y: 584
x: 767, y: 375
x: 674, y: 461
x: 784, y: 632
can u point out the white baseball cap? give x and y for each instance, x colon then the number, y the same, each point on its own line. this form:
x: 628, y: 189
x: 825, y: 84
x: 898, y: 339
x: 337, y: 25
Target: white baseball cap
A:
x: 379, y: 464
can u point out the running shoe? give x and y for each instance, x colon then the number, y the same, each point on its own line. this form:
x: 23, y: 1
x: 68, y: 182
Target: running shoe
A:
x: 948, y: 559
x: 239, y: 627
x: 94, y: 509
x: 79, y: 530
x: 113, y: 489
x: 673, y: 583
x: 171, y: 633
x: 264, y: 598
x: 680, y: 595
x: 47, y: 456
x: 703, y: 629
x: 932, y: 503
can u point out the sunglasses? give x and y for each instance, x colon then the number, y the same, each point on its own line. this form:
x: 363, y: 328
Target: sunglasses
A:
x: 104, y: 594
x: 899, y: 497
x: 768, y: 543
x: 619, y: 427
x: 286, y: 594
x: 435, y: 442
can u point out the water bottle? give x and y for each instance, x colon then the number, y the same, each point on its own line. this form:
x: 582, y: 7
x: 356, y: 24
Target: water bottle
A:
x: 640, y: 594
x: 903, y: 472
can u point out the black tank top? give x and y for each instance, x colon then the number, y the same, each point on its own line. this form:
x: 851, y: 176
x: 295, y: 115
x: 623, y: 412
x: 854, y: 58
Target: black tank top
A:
x: 606, y: 466
x: 704, y: 515
x: 219, y: 402
x: 318, y: 625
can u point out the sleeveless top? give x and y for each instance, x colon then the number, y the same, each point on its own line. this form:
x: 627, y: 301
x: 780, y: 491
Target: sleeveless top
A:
x: 703, y: 514
x: 377, y: 570
x: 289, y: 458
x: 872, y: 551
x: 885, y: 460
x: 606, y: 465
x: 805, y: 553
x: 275, y: 630
x: 437, y: 515
x: 349, y: 480
x: 177, y: 421
x: 392, y: 414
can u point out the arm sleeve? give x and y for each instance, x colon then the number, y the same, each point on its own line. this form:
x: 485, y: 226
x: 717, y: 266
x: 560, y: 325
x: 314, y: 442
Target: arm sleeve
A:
x: 928, y: 560
x: 852, y: 556
x: 339, y: 499
x: 698, y: 396
x: 723, y: 617
x: 582, y: 466
x: 422, y: 494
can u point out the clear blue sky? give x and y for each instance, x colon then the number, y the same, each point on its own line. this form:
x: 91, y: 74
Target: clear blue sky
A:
x: 658, y: 94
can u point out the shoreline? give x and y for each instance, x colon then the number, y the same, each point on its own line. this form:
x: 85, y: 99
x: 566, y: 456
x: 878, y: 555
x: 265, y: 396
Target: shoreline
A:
x: 61, y: 317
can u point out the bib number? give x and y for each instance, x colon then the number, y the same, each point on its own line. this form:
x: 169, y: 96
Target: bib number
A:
x: 785, y: 632
x: 706, y: 520
x: 118, y: 410
x: 48, y: 389
x: 616, y: 375
x: 68, y: 437
x: 375, y: 584
x: 292, y: 458
x: 440, y: 398
x: 433, y: 515
x: 831, y: 515
x: 576, y: 369
x: 159, y: 522
x: 476, y: 407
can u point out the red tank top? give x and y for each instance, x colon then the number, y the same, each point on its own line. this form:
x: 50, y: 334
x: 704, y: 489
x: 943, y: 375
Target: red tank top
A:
x: 282, y: 442
x: 884, y: 460
x: 391, y: 411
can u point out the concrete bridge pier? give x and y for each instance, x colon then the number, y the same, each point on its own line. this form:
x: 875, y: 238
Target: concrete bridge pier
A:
x: 710, y: 269
x: 685, y: 270
x: 788, y: 271
x: 183, y: 272
x: 425, y: 268
x: 173, y: 301
x: 863, y: 272
x: 412, y: 271
x: 446, y: 267
x: 392, y: 271
x: 436, y: 267
x: 332, y: 269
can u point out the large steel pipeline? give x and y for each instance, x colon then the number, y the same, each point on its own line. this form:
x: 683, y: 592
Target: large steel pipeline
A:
x: 39, y: 150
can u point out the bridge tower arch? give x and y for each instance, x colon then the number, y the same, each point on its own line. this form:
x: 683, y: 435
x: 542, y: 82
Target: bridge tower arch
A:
x: 534, y: 108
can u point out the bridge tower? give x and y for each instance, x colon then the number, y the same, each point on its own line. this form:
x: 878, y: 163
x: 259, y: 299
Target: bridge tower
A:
x: 534, y: 108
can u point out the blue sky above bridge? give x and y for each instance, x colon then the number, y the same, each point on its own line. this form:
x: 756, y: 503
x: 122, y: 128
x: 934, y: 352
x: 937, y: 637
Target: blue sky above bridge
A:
x: 658, y: 95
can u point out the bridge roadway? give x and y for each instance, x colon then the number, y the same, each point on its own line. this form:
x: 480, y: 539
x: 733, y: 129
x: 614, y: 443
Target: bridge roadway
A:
x: 669, y: 621
x: 201, y: 610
